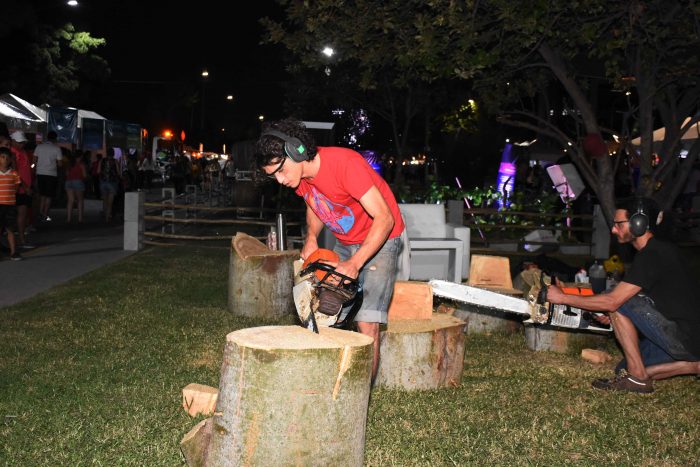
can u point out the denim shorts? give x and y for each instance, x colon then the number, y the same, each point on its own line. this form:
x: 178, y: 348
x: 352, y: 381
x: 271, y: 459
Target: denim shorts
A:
x: 77, y: 185
x: 659, y: 338
x: 108, y: 188
x: 376, y: 280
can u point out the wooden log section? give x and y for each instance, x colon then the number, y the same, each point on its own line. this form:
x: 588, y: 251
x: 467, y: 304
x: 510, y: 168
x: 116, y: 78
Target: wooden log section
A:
x: 547, y: 338
x: 199, y: 399
x: 288, y: 396
x: 260, y: 280
x: 195, y: 443
x: 411, y: 300
x: 422, y: 354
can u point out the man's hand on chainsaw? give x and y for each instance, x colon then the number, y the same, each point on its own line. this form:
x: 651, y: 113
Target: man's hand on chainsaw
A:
x: 309, y: 247
x: 347, y: 268
x: 555, y: 294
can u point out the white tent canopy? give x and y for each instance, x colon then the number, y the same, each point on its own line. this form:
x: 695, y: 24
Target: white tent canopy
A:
x: 18, y: 114
x: 660, y: 134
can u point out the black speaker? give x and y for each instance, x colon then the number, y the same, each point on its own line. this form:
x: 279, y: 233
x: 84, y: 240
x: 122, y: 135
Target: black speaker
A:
x: 639, y: 220
x: 293, y: 147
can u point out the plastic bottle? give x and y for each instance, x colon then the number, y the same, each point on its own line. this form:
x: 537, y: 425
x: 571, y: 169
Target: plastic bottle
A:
x: 598, y: 277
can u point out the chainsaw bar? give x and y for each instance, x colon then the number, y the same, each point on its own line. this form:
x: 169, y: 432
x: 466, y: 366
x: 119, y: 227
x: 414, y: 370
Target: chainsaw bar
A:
x: 536, y: 307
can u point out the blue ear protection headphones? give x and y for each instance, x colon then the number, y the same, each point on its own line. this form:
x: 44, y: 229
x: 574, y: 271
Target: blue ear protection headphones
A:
x: 293, y: 147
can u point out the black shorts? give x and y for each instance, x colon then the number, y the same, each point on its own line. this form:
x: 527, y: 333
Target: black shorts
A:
x: 8, y: 216
x: 24, y: 199
x: 47, y: 185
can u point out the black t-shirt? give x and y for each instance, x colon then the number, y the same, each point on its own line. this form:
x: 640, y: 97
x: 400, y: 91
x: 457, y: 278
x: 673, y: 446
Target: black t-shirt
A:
x: 661, y: 273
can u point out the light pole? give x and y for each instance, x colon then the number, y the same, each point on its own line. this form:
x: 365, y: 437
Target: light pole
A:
x: 205, y: 75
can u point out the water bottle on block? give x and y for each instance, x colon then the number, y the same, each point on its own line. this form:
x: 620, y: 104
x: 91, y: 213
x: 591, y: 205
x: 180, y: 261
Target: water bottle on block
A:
x: 598, y: 277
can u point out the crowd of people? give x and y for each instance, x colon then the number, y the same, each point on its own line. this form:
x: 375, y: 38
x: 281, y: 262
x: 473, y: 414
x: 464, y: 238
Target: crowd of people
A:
x: 33, y: 178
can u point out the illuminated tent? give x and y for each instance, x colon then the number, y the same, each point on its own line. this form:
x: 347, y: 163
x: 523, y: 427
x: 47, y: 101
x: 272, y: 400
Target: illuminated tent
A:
x: 19, y: 114
x: 660, y: 134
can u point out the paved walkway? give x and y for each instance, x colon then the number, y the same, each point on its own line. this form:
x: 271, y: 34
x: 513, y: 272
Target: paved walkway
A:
x: 62, y: 253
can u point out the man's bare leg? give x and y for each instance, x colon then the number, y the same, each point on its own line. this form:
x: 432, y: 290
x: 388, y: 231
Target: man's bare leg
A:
x: 21, y: 223
x: 371, y: 330
x: 627, y: 336
x: 667, y: 370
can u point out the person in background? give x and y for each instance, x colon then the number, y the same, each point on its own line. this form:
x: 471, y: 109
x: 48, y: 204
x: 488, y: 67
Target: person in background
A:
x: 110, y: 177
x: 653, y: 310
x: 75, y: 187
x: 49, y: 159
x: 344, y: 193
x: 95, y: 174
x: 23, y: 165
x: 145, y: 169
x: 9, y: 183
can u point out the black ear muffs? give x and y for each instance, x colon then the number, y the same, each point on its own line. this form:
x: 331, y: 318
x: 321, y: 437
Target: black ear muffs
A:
x: 293, y: 147
x: 639, y: 221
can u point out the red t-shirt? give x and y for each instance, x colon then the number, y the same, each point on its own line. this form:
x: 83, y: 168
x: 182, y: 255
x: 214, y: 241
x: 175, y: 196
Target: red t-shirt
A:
x: 334, y: 194
x: 24, y: 169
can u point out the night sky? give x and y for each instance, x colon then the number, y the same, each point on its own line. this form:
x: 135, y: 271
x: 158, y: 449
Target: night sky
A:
x: 157, y: 51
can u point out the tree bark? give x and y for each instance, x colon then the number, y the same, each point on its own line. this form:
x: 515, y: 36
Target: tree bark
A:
x: 288, y: 396
x: 260, y: 280
x: 422, y: 354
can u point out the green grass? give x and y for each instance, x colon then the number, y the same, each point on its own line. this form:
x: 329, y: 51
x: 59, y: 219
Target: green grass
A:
x: 91, y: 372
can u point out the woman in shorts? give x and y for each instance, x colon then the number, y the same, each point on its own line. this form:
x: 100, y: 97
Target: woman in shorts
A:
x: 75, y: 187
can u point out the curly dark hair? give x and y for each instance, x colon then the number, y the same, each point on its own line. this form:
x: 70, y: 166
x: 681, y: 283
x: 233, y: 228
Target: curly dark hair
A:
x: 270, y: 149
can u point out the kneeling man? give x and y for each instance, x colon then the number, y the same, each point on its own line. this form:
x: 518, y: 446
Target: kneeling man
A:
x: 654, y: 311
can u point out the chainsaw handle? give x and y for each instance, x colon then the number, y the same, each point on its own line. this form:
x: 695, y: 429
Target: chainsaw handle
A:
x: 330, y: 271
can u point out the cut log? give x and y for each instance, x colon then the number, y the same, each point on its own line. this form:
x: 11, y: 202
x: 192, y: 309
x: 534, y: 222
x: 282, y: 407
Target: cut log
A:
x: 411, y: 300
x: 288, y: 396
x: 260, y: 280
x: 544, y: 337
x: 199, y: 399
x: 422, y: 354
x: 194, y: 444
x: 484, y: 320
x: 595, y: 356
x: 492, y: 273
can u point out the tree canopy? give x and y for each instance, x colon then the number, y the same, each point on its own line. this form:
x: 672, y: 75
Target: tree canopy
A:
x: 574, y: 71
x: 49, y: 61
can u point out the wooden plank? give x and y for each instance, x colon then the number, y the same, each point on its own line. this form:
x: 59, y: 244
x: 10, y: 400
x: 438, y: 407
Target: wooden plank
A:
x: 411, y: 300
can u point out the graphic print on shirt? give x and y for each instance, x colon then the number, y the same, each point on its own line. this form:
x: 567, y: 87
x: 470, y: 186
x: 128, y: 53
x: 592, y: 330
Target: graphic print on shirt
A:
x: 336, y: 217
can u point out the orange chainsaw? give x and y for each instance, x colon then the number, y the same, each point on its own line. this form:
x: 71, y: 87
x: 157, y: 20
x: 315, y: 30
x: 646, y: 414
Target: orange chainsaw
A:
x: 320, y: 292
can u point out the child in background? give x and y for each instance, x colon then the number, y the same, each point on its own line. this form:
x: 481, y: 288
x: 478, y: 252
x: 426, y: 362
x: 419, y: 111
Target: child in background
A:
x: 9, y: 183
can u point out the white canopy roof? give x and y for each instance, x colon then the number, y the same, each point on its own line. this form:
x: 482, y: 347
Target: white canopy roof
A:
x: 660, y: 134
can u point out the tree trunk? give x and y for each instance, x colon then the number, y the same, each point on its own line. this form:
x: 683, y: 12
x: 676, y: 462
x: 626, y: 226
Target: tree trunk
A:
x: 260, y: 280
x: 422, y: 354
x: 288, y: 396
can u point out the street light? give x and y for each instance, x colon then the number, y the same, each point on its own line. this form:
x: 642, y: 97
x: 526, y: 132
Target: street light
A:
x: 328, y: 52
x: 72, y: 3
x: 229, y: 97
x: 205, y: 75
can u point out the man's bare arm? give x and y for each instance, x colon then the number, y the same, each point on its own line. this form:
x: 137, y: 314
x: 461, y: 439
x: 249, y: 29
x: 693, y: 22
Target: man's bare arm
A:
x: 607, y: 302
x: 382, y: 223
x: 313, y: 230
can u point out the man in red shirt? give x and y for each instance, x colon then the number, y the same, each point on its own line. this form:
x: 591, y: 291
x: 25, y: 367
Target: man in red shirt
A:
x: 24, y: 195
x: 343, y: 193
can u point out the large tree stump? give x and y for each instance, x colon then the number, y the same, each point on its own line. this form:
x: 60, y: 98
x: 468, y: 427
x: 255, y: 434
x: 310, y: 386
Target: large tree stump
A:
x: 422, y: 354
x: 288, y: 396
x: 260, y: 280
